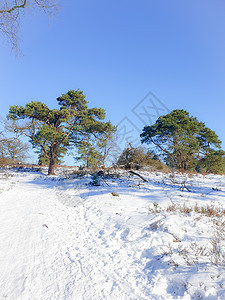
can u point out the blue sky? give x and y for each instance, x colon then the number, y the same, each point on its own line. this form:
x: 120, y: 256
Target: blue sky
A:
x: 119, y: 51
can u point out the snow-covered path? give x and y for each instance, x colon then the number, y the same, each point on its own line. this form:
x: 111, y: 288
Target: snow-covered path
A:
x: 63, y: 239
x: 53, y: 251
x: 25, y: 243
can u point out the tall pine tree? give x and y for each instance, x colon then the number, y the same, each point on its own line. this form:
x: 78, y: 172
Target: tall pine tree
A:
x: 181, y: 139
x: 53, y: 131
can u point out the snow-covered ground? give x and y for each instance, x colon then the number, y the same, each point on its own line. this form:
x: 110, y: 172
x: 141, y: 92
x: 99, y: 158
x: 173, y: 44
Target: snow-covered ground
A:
x: 62, y: 238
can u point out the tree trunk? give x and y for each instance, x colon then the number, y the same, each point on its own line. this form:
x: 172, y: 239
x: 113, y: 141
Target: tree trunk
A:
x: 53, y: 159
x: 52, y: 164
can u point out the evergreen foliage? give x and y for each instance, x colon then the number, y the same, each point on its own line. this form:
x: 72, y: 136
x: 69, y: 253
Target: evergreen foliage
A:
x: 181, y: 139
x: 88, y: 154
x: 43, y: 160
x: 95, y: 149
x: 214, y: 163
x: 53, y: 131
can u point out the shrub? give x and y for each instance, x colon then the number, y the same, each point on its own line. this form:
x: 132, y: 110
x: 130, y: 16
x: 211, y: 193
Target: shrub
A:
x: 136, y: 158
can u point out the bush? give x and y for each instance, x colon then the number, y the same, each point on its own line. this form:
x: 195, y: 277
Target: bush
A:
x: 136, y: 158
x: 95, y: 180
x: 214, y: 163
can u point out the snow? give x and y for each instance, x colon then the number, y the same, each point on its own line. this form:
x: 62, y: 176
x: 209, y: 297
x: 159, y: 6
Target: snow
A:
x: 62, y: 238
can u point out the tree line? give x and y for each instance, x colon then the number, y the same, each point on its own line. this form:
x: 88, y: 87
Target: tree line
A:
x: 176, y: 140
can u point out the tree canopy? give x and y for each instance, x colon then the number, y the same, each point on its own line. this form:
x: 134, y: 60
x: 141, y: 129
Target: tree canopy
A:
x: 96, y: 149
x: 181, y: 139
x: 53, y: 131
x: 214, y: 162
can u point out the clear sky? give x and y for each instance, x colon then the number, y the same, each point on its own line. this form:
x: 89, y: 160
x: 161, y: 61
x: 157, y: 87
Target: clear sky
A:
x: 119, y: 51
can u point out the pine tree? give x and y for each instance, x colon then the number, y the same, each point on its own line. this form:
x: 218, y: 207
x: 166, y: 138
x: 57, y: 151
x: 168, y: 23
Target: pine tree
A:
x: 53, y: 131
x: 95, y: 149
x: 181, y: 139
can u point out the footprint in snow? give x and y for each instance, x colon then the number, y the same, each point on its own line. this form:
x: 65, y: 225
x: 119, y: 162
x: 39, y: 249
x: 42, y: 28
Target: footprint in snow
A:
x: 125, y: 234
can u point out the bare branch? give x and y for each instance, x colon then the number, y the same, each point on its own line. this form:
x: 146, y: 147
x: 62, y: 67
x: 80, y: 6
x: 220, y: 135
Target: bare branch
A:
x: 11, y: 11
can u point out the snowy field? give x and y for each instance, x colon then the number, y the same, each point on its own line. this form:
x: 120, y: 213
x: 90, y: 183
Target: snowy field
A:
x: 62, y: 238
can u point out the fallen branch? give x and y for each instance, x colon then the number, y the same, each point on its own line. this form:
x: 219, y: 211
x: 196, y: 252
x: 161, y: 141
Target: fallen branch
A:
x: 135, y: 173
x: 183, y: 186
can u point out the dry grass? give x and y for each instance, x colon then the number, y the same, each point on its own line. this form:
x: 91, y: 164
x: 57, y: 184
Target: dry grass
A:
x: 208, y: 210
x: 213, y: 252
x: 202, y: 252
